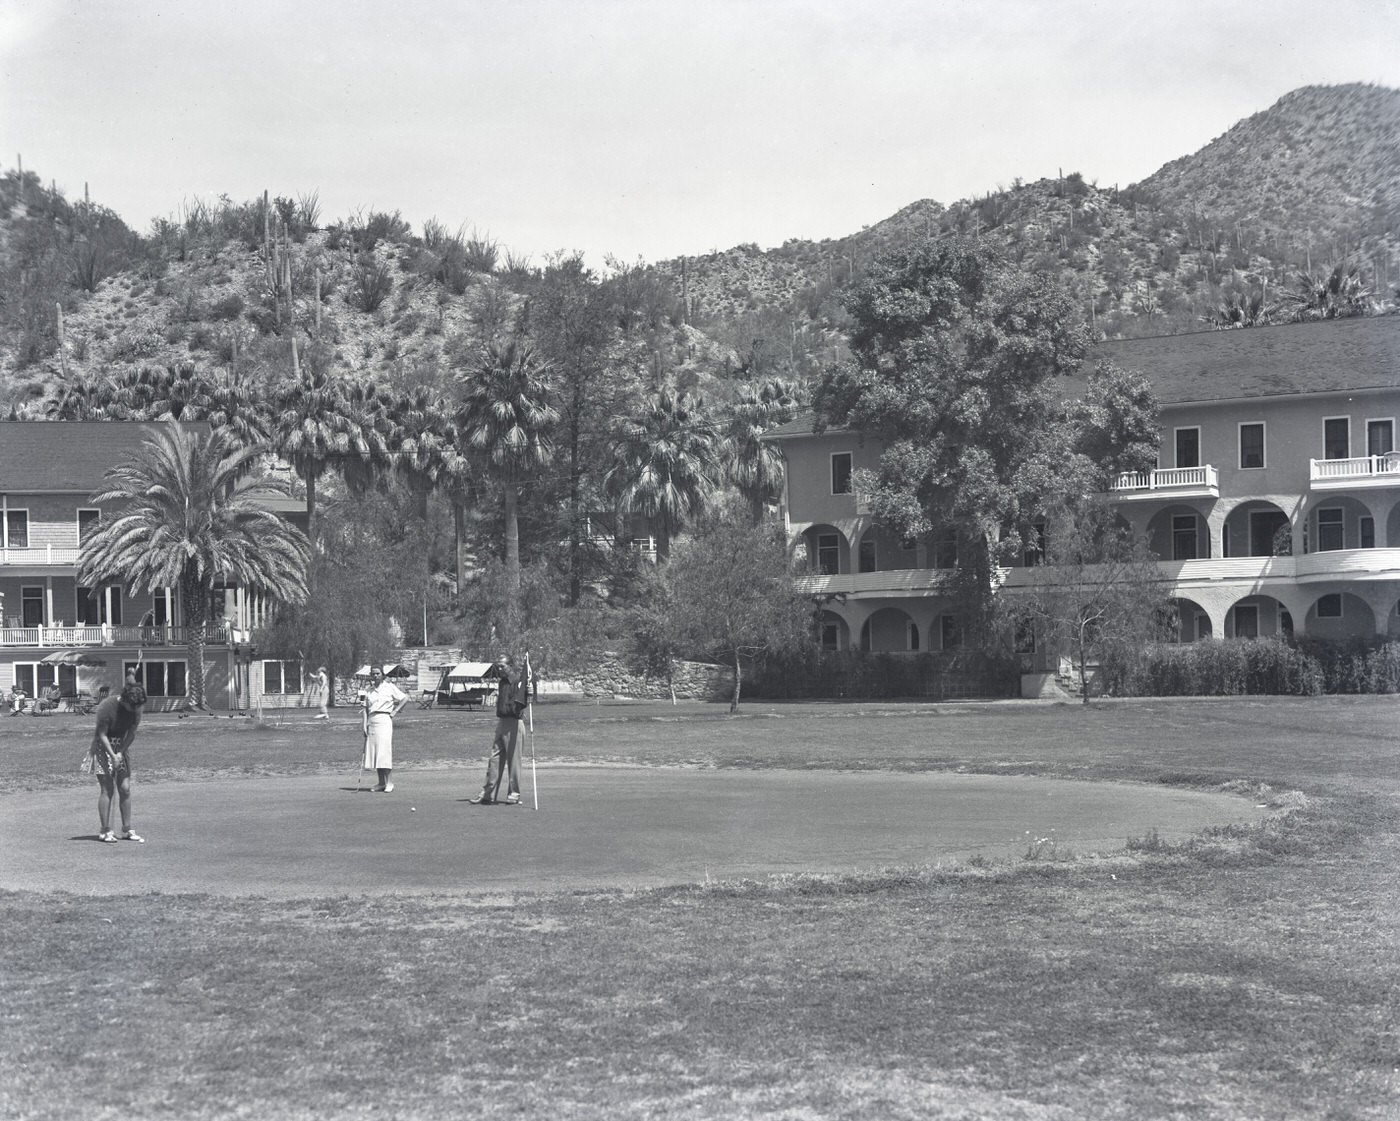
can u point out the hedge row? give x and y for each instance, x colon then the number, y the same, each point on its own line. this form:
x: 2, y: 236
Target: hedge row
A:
x: 1256, y: 666
x: 854, y: 674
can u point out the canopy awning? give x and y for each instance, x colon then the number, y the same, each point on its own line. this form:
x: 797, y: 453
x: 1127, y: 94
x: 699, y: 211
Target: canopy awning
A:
x: 471, y: 671
x: 72, y: 658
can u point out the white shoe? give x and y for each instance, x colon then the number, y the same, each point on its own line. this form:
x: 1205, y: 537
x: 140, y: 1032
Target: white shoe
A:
x: 388, y: 788
x: 322, y: 716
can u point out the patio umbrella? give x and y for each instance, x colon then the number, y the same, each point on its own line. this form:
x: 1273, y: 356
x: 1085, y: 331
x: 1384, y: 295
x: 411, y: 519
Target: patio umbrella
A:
x: 72, y: 658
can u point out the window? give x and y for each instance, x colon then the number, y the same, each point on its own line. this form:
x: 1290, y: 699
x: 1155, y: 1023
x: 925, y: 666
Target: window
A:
x: 831, y: 636
x: 1188, y: 447
x: 1368, y: 532
x: 913, y: 635
x: 1184, y: 530
x: 159, y: 679
x: 1025, y: 636
x: 99, y: 605
x: 1329, y: 607
x: 281, y: 677
x: 867, y: 556
x: 1247, y: 621
x: 31, y: 606
x: 24, y: 676
x: 945, y: 551
x: 1336, y: 437
x: 950, y: 632
x: 17, y: 529
x: 828, y: 554
x: 89, y: 609
x: 1251, y: 445
x: 841, y: 473
x: 1380, y: 437
x: 88, y: 521
x: 1329, y: 530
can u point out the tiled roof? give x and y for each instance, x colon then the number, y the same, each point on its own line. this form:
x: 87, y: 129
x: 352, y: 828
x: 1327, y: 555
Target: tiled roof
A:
x: 66, y: 456
x: 1339, y: 355
x: 1336, y: 356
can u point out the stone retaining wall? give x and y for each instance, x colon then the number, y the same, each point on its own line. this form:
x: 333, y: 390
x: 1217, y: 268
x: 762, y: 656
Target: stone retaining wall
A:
x: 697, y: 681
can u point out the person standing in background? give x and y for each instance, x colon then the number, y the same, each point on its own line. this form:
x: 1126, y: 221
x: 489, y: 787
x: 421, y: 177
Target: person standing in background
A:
x: 380, y: 703
x: 512, y: 699
x: 319, y: 692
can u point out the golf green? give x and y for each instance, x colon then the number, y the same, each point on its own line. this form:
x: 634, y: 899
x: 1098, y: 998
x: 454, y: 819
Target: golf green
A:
x: 596, y: 827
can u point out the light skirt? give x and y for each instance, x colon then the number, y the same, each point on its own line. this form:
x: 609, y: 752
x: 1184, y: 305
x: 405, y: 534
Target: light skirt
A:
x: 379, y: 743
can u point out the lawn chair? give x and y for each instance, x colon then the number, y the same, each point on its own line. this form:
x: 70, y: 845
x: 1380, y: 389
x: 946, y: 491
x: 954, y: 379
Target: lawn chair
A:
x: 46, y: 704
x: 426, y: 698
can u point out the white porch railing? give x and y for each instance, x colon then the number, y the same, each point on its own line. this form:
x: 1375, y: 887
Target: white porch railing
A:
x: 1172, y: 479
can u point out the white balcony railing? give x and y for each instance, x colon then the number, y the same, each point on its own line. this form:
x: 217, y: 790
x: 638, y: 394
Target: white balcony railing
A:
x: 216, y: 634
x: 1168, y: 480
x: 1363, y: 471
x: 39, y: 554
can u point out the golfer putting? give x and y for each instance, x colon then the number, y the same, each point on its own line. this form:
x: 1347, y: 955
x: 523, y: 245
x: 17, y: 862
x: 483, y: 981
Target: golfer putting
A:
x: 512, y: 700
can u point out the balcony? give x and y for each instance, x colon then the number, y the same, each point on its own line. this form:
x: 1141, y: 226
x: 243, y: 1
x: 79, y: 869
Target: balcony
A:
x: 1167, y: 482
x: 216, y: 634
x: 1362, y: 473
x: 39, y: 555
x: 894, y: 582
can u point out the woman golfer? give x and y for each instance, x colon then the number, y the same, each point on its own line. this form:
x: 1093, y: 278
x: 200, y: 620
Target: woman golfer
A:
x: 380, y: 704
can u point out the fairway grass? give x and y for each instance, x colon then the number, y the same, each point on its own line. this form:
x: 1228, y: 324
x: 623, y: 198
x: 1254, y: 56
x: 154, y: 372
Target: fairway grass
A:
x: 1249, y: 973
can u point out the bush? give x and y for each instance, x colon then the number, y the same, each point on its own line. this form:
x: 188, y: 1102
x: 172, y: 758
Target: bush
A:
x: 1244, y: 667
x: 230, y: 307
x: 882, y: 676
x: 371, y: 283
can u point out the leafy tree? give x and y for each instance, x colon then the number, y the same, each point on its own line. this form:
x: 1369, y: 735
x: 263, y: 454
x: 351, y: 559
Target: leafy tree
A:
x: 1115, y: 423
x: 358, y: 582
x: 188, y: 515
x: 727, y: 591
x: 572, y: 319
x: 957, y: 364
x: 505, y: 420
x: 665, y: 463
x: 1100, y: 587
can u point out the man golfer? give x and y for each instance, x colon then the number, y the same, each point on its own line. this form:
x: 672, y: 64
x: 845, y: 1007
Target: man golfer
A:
x: 512, y: 698
x: 117, y: 720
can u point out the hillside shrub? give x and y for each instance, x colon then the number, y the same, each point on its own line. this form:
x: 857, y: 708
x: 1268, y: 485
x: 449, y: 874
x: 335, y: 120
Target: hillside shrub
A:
x: 371, y: 283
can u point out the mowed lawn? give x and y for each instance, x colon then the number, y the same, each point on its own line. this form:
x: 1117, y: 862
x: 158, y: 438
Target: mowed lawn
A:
x: 1253, y: 973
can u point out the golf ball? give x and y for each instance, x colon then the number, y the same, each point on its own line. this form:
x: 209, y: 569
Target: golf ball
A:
x: 413, y: 809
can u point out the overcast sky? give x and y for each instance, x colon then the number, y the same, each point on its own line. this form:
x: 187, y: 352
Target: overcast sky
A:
x: 644, y: 129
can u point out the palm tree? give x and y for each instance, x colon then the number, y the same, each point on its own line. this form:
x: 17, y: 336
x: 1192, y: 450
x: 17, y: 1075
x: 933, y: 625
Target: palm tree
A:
x: 421, y: 440
x: 504, y: 418
x: 309, y: 429
x: 756, y: 466
x: 666, y: 463
x: 188, y: 515
x: 1339, y: 294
